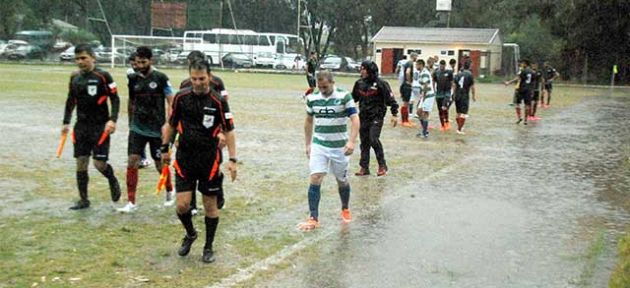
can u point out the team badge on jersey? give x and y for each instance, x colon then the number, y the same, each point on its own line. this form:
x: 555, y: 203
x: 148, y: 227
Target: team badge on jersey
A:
x: 152, y: 85
x: 208, y: 121
x: 92, y: 90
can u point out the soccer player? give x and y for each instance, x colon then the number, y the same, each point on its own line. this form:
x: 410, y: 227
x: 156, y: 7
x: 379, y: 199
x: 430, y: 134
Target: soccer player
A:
x: 443, y: 82
x: 90, y: 87
x: 524, y: 94
x: 329, y: 147
x: 217, y: 85
x: 405, y: 89
x: 549, y: 74
x: 536, y: 83
x: 311, y: 67
x: 452, y: 65
x: 427, y: 97
x: 148, y: 91
x: 144, y: 162
x: 400, y: 69
x: 199, y: 114
x: 373, y: 95
x: 463, y: 83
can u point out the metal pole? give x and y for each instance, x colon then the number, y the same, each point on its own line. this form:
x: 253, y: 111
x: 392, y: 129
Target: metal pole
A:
x: 448, y: 21
x: 298, y: 18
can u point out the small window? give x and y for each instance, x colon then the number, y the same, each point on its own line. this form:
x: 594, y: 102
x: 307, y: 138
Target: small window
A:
x: 418, y: 51
x: 378, y: 50
x: 443, y: 52
x: 210, y: 38
x: 263, y: 40
x: 250, y: 40
x: 451, y: 52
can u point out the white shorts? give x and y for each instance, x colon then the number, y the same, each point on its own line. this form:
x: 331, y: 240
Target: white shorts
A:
x: 426, y: 104
x: 324, y: 160
x: 415, y: 94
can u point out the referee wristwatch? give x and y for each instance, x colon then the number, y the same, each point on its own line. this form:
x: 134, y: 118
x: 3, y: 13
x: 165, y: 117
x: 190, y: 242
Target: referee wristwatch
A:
x: 233, y: 159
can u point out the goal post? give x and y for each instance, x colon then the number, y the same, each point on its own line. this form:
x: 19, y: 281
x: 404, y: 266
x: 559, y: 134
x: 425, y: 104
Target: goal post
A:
x: 165, y: 49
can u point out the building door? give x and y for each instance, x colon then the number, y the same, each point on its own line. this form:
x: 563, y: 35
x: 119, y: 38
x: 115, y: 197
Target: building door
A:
x: 475, y: 56
x: 472, y: 56
x: 387, y: 61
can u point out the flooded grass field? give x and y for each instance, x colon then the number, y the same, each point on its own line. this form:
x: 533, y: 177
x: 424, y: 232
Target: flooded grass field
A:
x: 505, y: 205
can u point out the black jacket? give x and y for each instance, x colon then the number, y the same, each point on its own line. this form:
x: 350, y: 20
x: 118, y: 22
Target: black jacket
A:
x: 373, y: 96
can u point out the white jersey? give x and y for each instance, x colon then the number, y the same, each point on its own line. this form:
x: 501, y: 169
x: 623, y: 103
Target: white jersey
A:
x: 401, y: 70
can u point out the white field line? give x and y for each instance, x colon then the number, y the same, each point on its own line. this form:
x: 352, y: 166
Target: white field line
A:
x: 245, y: 274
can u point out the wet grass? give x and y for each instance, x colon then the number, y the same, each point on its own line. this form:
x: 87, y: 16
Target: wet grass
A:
x: 46, y: 244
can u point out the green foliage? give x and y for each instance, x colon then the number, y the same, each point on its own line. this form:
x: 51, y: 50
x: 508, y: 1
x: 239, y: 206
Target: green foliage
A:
x: 535, y: 40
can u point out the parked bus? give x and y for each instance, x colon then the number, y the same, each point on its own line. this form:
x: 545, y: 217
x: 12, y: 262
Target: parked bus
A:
x: 42, y: 39
x: 217, y: 42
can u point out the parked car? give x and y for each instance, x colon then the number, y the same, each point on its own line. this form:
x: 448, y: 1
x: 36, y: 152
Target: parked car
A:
x: 353, y: 66
x: 338, y: 63
x: 11, y: 46
x: 236, y: 60
x: 27, y: 52
x: 289, y: 61
x: 67, y: 55
x: 61, y: 45
x: 264, y: 59
x: 172, y: 55
x: 104, y: 55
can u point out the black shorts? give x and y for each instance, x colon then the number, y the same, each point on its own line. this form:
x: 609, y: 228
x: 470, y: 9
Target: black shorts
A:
x: 405, y: 92
x: 85, y: 138
x: 137, y: 142
x: 199, y: 172
x: 443, y: 102
x: 549, y: 86
x: 311, y: 80
x: 461, y: 103
x: 524, y: 96
x: 536, y: 96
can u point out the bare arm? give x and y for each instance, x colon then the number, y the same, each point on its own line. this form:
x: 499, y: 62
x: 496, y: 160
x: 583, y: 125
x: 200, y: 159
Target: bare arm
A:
x: 308, y: 134
x: 511, y: 81
x: 354, y: 132
x: 167, y: 133
x: 474, y: 92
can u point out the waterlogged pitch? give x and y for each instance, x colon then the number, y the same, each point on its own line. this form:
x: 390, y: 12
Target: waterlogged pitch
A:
x: 443, y: 198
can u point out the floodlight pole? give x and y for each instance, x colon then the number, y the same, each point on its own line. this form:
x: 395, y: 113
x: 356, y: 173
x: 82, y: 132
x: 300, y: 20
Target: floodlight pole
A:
x: 298, y: 18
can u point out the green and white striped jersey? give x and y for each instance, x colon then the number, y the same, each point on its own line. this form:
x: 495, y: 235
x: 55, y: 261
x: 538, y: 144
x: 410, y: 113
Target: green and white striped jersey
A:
x: 330, y: 117
x: 426, y: 78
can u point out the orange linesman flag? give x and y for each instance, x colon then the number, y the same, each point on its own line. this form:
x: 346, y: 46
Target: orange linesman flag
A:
x: 62, y: 142
x: 103, y: 137
x: 163, y: 177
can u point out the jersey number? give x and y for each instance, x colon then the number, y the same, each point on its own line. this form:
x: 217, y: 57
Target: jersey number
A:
x: 461, y: 83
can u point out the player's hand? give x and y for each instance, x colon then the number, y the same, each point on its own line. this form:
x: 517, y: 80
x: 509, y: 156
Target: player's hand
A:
x: 110, y: 126
x: 308, y: 151
x: 221, y: 140
x: 348, y: 149
x: 474, y: 98
x: 394, y: 120
x: 65, y: 129
x: 506, y: 83
x: 231, y: 166
x: 166, y: 158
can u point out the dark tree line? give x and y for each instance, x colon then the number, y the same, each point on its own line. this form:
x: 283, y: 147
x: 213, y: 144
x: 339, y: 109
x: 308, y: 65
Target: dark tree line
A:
x: 583, y: 38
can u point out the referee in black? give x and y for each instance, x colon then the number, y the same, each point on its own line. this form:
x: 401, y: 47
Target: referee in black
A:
x: 89, y: 90
x: 199, y: 114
